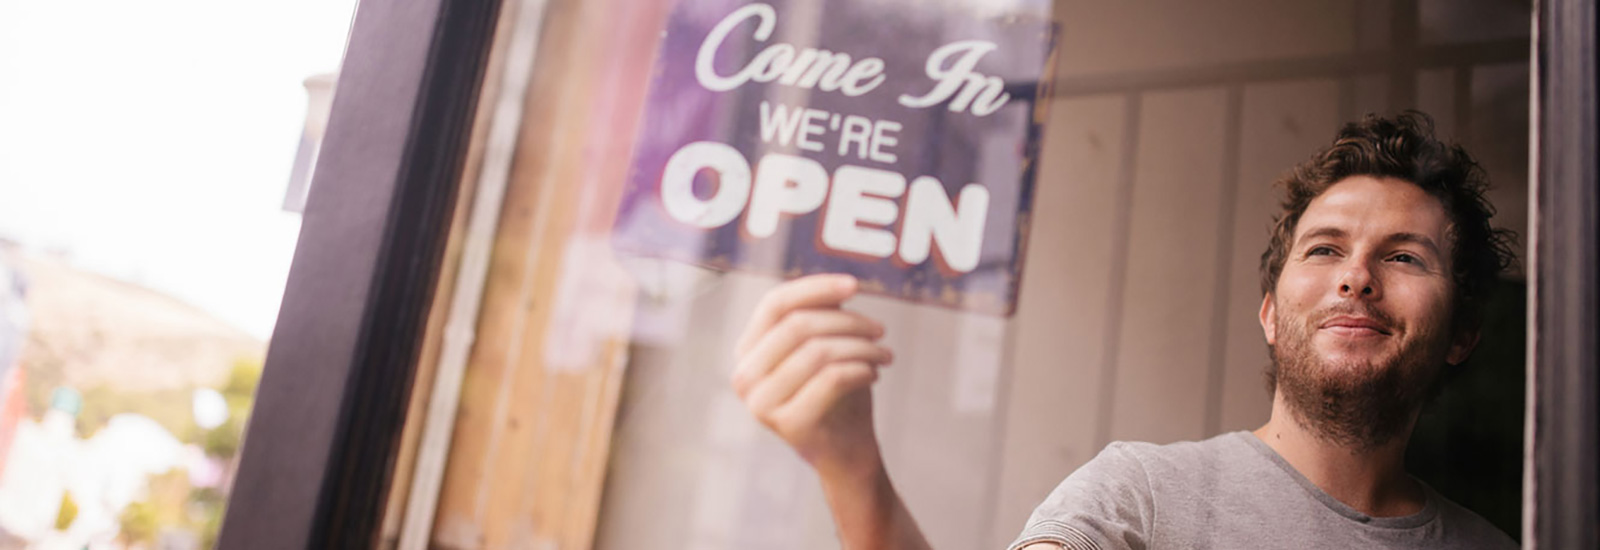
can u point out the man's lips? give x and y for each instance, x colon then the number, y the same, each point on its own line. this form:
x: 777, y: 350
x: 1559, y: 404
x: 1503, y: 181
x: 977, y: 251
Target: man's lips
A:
x: 1351, y: 325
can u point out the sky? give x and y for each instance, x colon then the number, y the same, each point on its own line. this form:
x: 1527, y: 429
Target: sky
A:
x: 152, y: 141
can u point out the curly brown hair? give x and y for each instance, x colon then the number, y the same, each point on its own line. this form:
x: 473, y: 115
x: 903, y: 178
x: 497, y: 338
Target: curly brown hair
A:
x: 1404, y: 147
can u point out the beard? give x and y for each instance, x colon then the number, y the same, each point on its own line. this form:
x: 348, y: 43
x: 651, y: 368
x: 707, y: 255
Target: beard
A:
x: 1359, y: 404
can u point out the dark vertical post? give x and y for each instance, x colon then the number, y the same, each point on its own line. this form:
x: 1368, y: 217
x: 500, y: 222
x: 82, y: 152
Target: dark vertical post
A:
x: 1565, y: 435
x: 320, y: 449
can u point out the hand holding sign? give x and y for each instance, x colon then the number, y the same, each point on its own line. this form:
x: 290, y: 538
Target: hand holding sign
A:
x: 805, y: 367
x: 783, y: 141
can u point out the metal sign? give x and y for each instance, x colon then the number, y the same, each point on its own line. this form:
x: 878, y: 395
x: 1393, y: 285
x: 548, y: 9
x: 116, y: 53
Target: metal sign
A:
x: 888, y: 139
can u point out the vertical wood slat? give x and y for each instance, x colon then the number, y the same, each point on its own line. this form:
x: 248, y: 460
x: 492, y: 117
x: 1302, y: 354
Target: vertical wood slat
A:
x: 943, y: 414
x: 1167, y: 304
x: 1223, y: 304
x: 1116, y: 287
x: 533, y: 429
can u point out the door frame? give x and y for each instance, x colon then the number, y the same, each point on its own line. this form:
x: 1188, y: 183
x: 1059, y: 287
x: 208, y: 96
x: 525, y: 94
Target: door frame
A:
x: 319, y: 453
x: 1562, y: 468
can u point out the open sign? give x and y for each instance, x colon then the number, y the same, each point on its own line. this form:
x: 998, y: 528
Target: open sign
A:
x: 793, y: 146
x: 862, y: 205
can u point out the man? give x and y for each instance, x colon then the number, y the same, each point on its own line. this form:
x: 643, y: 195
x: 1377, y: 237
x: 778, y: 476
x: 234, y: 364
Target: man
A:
x: 1374, y: 285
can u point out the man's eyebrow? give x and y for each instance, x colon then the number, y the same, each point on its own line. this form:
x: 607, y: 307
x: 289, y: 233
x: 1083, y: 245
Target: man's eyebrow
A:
x: 1417, y: 239
x: 1324, y: 231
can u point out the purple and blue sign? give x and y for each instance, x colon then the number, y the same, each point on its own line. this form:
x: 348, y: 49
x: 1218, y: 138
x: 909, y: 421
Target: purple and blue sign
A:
x: 892, y: 140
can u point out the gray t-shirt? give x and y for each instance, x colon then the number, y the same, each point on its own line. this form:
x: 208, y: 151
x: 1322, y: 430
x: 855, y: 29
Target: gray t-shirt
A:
x: 1230, y: 491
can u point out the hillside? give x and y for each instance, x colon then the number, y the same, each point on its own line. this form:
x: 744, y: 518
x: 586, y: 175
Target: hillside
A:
x: 89, y: 330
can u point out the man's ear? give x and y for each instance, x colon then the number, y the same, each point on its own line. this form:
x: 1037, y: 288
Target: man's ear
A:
x: 1269, y: 319
x: 1462, y: 345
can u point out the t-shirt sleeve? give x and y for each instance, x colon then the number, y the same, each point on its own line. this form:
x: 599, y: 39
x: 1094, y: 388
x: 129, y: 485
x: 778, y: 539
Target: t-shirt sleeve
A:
x: 1105, y: 505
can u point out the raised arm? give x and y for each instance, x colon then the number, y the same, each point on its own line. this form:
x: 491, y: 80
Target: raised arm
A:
x: 805, y: 369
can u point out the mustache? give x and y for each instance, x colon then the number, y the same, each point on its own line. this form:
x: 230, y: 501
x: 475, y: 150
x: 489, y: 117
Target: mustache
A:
x: 1354, y: 309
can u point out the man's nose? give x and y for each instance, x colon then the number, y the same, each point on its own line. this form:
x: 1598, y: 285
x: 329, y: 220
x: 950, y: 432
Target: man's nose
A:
x: 1357, y: 282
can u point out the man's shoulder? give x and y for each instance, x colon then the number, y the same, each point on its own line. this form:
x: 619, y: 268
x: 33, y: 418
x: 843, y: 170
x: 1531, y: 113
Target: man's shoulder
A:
x: 1467, y: 529
x: 1206, y: 452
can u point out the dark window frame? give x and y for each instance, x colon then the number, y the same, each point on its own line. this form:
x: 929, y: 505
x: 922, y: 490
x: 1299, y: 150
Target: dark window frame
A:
x: 1563, y: 466
x: 319, y: 454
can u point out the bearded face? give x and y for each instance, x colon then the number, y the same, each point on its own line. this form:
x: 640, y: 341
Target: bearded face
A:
x: 1359, y: 323
x: 1356, y: 402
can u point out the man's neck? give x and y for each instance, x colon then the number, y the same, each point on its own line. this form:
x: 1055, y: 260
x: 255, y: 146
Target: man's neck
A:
x: 1372, y: 481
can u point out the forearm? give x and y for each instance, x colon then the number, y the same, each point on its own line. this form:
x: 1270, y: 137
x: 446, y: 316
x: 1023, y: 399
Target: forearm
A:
x: 867, y: 511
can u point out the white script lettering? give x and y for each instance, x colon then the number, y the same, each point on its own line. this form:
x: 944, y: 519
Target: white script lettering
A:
x: 985, y: 94
x: 805, y: 68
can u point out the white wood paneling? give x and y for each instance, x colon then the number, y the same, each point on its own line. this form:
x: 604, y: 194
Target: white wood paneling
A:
x: 1060, y: 330
x: 1165, y: 336
x: 939, y: 447
x: 1100, y: 37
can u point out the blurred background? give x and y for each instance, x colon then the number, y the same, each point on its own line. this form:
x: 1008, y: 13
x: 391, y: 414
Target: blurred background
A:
x: 147, y: 221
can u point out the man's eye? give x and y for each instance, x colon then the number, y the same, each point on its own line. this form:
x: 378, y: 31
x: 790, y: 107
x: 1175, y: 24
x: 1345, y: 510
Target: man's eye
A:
x: 1319, y: 251
x: 1406, y: 258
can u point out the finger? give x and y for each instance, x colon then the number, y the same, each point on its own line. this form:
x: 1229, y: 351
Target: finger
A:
x: 805, y: 363
x: 823, y: 391
x: 792, y: 332
x: 815, y: 291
